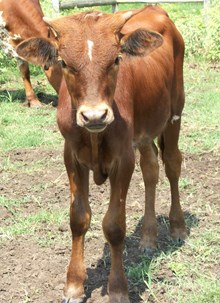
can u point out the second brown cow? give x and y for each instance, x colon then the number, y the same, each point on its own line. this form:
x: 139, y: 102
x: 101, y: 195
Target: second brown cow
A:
x: 20, y: 20
x: 122, y: 88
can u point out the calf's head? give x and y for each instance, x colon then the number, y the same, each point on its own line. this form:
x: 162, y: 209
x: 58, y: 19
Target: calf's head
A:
x: 90, y: 46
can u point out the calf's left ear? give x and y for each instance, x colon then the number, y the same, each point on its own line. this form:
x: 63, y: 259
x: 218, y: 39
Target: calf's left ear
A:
x: 141, y: 42
x: 38, y: 51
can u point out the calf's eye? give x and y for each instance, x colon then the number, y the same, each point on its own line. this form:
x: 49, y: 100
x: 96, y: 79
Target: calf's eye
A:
x: 62, y: 63
x: 118, y: 59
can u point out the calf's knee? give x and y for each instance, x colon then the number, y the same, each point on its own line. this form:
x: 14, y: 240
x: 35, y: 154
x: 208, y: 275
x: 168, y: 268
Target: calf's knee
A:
x: 114, y: 231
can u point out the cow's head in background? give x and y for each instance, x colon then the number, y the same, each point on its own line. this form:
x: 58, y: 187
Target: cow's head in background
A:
x: 90, y: 47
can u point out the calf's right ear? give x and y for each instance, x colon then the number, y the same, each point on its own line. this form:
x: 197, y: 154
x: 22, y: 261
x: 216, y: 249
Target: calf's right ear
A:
x: 141, y: 42
x: 38, y: 51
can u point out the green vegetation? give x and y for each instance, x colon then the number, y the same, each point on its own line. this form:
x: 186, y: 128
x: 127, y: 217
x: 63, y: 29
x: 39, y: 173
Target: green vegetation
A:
x: 31, y: 223
x: 188, y: 274
x: 201, y: 113
x: 21, y: 128
x: 199, y: 26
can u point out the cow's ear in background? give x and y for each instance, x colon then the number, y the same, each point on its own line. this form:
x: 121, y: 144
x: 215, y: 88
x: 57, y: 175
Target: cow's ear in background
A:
x: 38, y: 51
x: 50, y: 23
x: 140, y: 42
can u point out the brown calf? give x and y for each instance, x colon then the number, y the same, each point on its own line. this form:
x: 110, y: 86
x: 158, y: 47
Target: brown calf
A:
x: 122, y: 87
x: 20, y: 20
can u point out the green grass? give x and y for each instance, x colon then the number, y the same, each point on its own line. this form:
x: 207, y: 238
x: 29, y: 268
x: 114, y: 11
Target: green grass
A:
x: 22, y: 128
x: 189, y: 282
x: 185, y: 275
x: 9, y: 165
x: 21, y: 223
x: 201, y: 113
x: 29, y: 224
x: 10, y: 204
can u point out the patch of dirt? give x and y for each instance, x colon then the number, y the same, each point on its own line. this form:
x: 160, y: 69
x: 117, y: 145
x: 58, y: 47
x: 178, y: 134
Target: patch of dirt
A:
x: 34, y: 271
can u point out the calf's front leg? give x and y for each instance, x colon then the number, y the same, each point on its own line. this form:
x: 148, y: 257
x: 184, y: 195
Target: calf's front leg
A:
x: 114, y: 228
x: 80, y: 216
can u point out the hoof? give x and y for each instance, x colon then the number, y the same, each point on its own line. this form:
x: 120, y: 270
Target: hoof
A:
x: 148, y: 251
x: 73, y: 294
x: 178, y: 241
x: 34, y: 103
x: 118, y: 298
x: 178, y: 235
x: 78, y: 300
x: 148, y: 246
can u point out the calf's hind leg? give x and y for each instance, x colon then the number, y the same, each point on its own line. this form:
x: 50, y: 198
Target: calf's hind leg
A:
x: 150, y: 172
x: 29, y: 92
x: 172, y: 159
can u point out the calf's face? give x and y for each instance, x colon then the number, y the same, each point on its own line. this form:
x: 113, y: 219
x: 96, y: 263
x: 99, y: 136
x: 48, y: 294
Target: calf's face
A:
x: 89, y: 46
x: 90, y: 57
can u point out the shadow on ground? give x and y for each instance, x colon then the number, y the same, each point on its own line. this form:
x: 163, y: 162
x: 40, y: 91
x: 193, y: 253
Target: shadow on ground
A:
x: 133, y: 257
x: 11, y: 96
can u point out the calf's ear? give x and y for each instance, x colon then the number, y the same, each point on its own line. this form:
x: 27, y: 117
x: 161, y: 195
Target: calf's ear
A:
x: 141, y: 42
x: 38, y: 51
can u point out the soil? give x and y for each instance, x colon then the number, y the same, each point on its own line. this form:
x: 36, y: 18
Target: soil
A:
x: 33, y: 267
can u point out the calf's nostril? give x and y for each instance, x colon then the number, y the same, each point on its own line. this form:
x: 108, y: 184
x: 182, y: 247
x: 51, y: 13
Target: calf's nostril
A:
x: 86, y: 119
x: 95, y: 119
x: 103, y: 117
x: 94, y: 116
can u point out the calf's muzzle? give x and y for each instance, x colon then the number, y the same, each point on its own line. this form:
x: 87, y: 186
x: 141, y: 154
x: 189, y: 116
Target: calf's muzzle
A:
x: 94, y: 118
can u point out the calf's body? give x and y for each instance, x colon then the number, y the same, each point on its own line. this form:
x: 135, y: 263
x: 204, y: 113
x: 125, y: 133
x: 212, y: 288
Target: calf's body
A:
x: 122, y: 88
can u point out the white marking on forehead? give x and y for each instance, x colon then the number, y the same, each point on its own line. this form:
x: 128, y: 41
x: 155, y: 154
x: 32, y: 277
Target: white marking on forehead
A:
x: 90, y: 47
x: 175, y: 118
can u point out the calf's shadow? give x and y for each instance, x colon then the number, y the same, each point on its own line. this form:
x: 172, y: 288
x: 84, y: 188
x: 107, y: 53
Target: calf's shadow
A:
x: 133, y: 256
